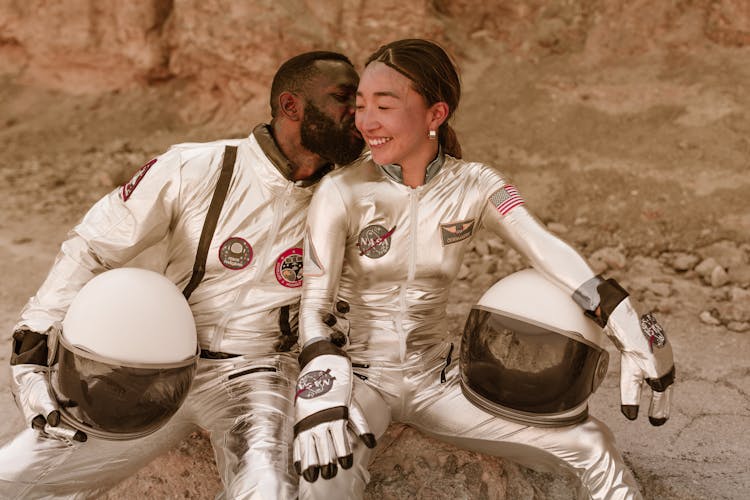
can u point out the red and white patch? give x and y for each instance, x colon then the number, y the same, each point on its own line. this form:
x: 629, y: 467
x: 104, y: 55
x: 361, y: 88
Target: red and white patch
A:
x: 506, y: 199
x: 129, y: 187
x: 289, y: 268
x: 235, y: 253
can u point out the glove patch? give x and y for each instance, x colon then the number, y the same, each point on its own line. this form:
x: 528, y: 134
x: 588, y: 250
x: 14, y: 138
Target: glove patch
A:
x: 314, y: 384
x: 653, y: 331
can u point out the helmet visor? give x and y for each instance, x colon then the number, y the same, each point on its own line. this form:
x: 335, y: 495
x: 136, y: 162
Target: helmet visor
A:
x: 524, y: 369
x: 114, y: 400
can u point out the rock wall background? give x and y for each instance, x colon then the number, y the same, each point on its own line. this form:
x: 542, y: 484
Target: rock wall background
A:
x: 224, y: 52
x: 624, y: 124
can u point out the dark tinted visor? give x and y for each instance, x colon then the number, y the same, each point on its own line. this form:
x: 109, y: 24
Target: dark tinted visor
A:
x: 525, y: 367
x: 115, y: 400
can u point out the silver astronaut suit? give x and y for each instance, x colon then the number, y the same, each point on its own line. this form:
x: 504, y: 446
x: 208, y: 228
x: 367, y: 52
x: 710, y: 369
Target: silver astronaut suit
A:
x: 246, y: 298
x: 392, y: 253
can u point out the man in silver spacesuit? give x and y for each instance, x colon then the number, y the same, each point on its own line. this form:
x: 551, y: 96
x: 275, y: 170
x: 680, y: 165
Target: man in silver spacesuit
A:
x: 243, y: 286
x: 387, y: 236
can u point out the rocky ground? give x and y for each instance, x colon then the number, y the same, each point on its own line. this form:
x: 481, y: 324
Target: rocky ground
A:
x: 641, y: 162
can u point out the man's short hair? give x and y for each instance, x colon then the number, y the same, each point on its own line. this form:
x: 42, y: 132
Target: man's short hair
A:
x: 294, y: 73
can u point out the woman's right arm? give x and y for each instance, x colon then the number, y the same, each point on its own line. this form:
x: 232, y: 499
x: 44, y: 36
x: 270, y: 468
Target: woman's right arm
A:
x: 325, y: 245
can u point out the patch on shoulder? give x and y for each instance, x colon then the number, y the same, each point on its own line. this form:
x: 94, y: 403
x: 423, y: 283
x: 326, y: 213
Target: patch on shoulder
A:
x: 506, y: 199
x: 235, y: 253
x: 129, y: 187
x: 453, y: 232
x: 289, y: 268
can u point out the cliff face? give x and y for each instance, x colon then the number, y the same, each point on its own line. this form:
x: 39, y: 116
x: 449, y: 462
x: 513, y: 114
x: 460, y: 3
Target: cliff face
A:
x: 222, y: 52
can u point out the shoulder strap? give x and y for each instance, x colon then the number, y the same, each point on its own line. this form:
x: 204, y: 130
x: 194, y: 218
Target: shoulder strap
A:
x: 209, y: 225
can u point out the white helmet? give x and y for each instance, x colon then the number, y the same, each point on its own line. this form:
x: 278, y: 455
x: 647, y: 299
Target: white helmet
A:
x: 529, y: 353
x: 127, y: 355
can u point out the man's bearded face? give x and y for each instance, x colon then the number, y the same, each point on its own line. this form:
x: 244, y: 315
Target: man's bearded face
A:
x: 338, y: 143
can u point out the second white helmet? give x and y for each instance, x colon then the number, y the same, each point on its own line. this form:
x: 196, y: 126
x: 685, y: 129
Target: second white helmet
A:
x: 529, y: 353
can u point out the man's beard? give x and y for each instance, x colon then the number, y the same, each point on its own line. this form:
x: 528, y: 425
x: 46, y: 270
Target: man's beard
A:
x: 335, y: 143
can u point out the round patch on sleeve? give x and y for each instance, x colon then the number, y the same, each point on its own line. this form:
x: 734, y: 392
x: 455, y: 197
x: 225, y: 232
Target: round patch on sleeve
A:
x: 289, y: 268
x: 235, y: 253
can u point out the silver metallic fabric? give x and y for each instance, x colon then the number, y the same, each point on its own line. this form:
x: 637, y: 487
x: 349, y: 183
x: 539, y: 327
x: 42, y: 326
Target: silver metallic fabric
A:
x: 245, y: 404
x: 31, y: 391
x: 260, y: 229
x: 251, y: 285
x: 412, y: 393
x: 392, y: 252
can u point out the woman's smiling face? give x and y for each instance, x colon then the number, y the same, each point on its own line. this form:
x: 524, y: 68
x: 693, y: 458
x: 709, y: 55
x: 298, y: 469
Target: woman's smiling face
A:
x: 394, y: 119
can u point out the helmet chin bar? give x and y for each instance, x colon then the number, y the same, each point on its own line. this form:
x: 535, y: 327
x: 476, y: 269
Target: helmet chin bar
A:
x: 113, y: 400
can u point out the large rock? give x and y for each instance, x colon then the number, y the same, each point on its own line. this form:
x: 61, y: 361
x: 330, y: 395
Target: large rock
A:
x: 223, y: 54
x: 407, y: 465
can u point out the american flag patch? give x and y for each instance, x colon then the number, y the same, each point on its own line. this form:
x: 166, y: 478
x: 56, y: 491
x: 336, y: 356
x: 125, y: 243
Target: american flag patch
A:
x: 506, y: 199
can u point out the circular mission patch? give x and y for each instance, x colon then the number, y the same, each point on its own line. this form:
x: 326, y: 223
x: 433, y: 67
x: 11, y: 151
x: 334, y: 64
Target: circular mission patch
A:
x: 374, y: 241
x: 235, y: 253
x: 289, y: 268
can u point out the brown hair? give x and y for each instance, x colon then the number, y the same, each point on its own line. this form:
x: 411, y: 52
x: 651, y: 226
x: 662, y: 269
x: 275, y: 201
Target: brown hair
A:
x: 434, y: 77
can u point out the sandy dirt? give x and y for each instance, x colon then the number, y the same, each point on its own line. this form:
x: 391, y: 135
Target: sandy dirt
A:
x: 643, y: 165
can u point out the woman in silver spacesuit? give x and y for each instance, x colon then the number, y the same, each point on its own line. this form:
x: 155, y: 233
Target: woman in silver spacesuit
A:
x: 387, y: 236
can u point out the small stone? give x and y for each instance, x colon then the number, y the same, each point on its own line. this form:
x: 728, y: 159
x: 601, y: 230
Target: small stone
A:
x: 481, y: 247
x: 739, y: 274
x: 557, y: 227
x: 684, y: 262
x: 497, y: 247
x: 705, y: 267
x: 738, y: 326
x: 719, y: 277
x: 607, y: 258
x: 709, y: 319
x: 464, y: 272
x: 726, y: 253
x: 660, y: 289
x: 736, y: 307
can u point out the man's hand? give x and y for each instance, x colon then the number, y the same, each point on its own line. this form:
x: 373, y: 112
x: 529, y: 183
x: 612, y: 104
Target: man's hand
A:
x: 30, y: 384
x: 31, y: 391
x: 323, y: 410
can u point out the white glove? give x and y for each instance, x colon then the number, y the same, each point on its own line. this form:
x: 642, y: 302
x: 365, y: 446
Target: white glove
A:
x: 323, y: 411
x: 31, y: 389
x: 646, y: 356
